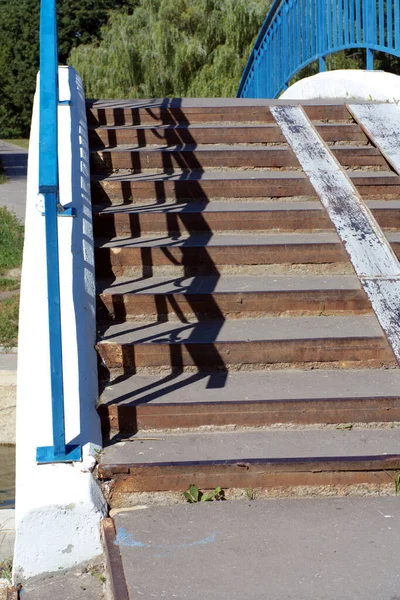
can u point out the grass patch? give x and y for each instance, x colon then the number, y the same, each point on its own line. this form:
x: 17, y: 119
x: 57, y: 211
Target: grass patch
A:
x: 11, y: 241
x: 21, y: 142
x: 7, y: 284
x: 11, y: 246
x: 9, y: 309
x: 6, y: 569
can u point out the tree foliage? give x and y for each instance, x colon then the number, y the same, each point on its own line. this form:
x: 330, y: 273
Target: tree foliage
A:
x: 171, y: 48
x: 78, y: 22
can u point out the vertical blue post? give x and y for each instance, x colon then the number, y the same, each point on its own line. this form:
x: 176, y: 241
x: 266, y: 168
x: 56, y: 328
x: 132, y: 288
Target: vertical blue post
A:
x: 48, y: 186
x: 370, y: 59
x: 321, y: 33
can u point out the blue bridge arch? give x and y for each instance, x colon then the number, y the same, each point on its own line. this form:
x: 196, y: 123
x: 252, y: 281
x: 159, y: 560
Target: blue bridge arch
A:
x: 296, y: 33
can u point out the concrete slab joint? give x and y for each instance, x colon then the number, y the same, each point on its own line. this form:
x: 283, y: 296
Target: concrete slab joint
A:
x: 59, y: 507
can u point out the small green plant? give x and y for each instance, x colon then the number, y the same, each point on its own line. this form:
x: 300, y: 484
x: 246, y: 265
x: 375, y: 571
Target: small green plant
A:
x: 397, y: 484
x: 345, y: 426
x: 6, y: 569
x: 250, y: 493
x: 193, y: 494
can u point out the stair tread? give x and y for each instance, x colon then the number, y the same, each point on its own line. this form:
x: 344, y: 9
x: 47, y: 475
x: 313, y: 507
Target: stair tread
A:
x: 210, y: 102
x: 216, y: 284
x: 120, y: 148
x: 232, y: 174
x: 266, y: 386
x: 248, y: 173
x: 254, y: 444
x: 268, y: 329
x: 220, y: 239
x: 239, y: 148
x: 215, y: 206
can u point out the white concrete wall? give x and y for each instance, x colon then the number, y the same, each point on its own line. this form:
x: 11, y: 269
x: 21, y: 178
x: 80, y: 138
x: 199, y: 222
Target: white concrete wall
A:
x: 58, y: 507
x: 350, y: 84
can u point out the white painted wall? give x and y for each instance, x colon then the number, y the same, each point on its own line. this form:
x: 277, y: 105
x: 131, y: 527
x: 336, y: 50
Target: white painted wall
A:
x: 350, y: 84
x: 58, y: 507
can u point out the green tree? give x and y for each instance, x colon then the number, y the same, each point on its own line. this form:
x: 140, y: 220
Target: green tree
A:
x: 78, y: 22
x: 171, y: 48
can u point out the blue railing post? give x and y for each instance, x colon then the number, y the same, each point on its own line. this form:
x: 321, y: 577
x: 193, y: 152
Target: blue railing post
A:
x: 49, y: 188
x: 321, y: 33
x: 322, y: 28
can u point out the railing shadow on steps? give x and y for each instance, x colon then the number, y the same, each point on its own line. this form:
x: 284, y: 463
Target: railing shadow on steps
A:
x: 176, y: 224
x: 296, y: 33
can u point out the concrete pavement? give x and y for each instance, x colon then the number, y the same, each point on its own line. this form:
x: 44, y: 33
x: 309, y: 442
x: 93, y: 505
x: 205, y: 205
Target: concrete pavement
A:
x: 13, y: 191
x: 7, y: 533
x: 8, y: 397
x: 303, y: 549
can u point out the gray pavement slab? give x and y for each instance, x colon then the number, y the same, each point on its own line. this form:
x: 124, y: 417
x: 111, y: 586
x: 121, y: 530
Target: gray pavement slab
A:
x: 253, y: 444
x: 8, y: 361
x: 330, y: 549
x: 7, y: 533
x: 81, y: 583
x: 13, y: 191
x: 8, y: 400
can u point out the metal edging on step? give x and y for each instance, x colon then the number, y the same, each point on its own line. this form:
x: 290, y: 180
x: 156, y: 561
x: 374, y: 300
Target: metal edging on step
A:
x: 114, y: 568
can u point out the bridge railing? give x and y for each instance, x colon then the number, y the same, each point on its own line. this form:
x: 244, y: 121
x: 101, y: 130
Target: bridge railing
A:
x: 296, y: 33
x: 48, y: 188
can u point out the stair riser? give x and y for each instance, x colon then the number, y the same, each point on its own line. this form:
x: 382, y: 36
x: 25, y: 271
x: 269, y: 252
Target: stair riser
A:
x: 127, y: 192
x: 221, y: 355
x: 224, y: 305
x: 119, y: 261
x: 238, y: 134
x: 118, y: 192
x: 139, y: 160
x: 135, y: 224
x: 128, y: 420
x: 246, y: 474
x: 156, y: 115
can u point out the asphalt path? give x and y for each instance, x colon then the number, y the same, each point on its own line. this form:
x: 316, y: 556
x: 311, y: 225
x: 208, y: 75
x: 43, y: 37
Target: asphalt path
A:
x: 13, y: 191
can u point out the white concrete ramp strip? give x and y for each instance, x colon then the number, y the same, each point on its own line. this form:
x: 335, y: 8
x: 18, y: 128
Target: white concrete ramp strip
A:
x: 370, y: 253
x: 381, y: 123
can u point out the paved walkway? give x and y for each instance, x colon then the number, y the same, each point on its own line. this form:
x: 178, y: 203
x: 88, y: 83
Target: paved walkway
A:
x: 13, y: 192
x: 300, y: 549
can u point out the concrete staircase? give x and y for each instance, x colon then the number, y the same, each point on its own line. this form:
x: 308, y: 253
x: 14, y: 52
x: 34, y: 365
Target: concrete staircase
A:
x: 237, y: 346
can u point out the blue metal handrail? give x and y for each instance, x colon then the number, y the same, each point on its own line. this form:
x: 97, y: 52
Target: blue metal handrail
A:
x: 49, y: 188
x: 296, y: 33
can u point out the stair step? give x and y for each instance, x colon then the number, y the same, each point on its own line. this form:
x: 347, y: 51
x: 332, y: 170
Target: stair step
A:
x: 189, y: 400
x: 219, y: 344
x: 206, y: 297
x: 216, y: 133
x: 189, y: 157
x: 205, y: 253
x: 198, y: 110
x: 228, y: 184
x: 122, y: 221
x: 262, y: 215
x: 249, y: 459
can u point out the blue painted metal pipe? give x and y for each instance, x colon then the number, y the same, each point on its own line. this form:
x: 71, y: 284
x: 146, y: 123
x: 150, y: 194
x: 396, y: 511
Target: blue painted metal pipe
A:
x: 324, y: 27
x: 49, y: 187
